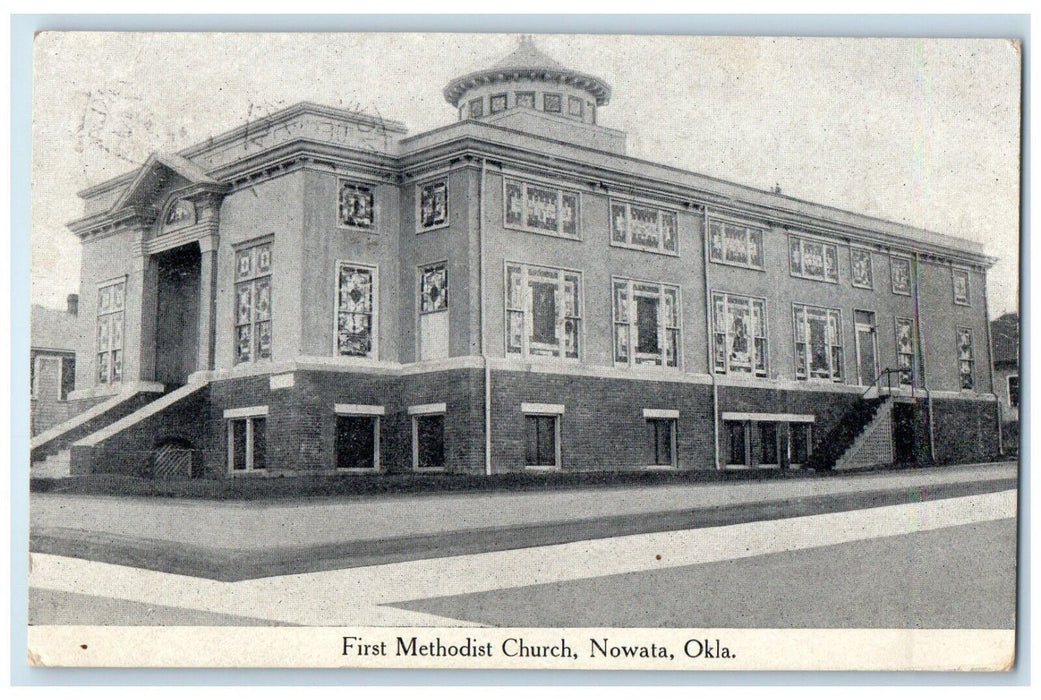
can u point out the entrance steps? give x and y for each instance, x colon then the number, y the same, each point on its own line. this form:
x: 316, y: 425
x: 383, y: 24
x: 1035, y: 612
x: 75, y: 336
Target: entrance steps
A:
x: 874, y: 445
x: 846, y: 446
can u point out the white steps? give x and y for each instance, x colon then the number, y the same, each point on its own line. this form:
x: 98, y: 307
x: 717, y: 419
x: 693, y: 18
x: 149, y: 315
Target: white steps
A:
x: 56, y: 466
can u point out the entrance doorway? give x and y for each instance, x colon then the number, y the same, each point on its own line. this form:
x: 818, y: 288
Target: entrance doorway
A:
x: 867, y: 346
x: 177, y: 314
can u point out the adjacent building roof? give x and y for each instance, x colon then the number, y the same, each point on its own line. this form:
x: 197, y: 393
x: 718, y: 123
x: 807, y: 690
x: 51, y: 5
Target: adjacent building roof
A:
x: 1004, y: 333
x: 52, y: 329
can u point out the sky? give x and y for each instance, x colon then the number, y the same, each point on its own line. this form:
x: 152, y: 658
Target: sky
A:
x: 922, y: 132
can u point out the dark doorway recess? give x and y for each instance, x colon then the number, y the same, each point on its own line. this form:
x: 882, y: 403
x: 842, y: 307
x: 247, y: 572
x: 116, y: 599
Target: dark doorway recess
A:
x: 177, y: 314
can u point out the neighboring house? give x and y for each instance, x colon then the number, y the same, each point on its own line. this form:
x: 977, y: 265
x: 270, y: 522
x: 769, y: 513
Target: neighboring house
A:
x: 326, y: 294
x: 52, y: 364
x: 1004, y: 332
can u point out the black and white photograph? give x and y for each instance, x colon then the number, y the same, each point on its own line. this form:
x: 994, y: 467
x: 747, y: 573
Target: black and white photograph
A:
x: 524, y: 351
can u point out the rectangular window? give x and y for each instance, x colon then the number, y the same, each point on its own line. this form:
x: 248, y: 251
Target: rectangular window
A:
x: 356, y: 328
x: 799, y: 445
x: 357, y: 442
x: 253, y: 303
x: 736, y: 435
x: 768, y: 452
x: 551, y: 102
x: 247, y: 444
x: 574, y: 106
x: 813, y: 260
x: 735, y: 244
x: 643, y: 227
x: 357, y: 206
x: 739, y: 334
x: 901, y: 273
x: 540, y: 209
x: 541, y: 448
x: 818, y: 343
x: 961, y: 286
x: 432, y: 205
x: 662, y: 441
x: 477, y: 108
x: 647, y: 323
x: 860, y: 268
x: 905, y: 350
x: 1013, y: 390
x: 111, y: 308
x: 966, y: 359
x: 526, y: 99
x: 68, y: 378
x: 497, y: 104
x: 543, y: 311
x: 428, y: 435
x: 433, y: 311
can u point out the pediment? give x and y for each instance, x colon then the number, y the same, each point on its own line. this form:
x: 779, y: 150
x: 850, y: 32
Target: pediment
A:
x: 161, y: 174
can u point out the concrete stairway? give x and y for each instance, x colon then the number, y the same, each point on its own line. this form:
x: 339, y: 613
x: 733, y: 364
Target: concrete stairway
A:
x: 874, y: 445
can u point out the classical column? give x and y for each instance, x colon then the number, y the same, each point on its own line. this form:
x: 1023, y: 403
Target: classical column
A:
x: 143, y: 283
x: 207, y: 300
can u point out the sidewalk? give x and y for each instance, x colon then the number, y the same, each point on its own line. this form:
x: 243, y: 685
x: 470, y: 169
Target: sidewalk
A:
x: 262, y: 525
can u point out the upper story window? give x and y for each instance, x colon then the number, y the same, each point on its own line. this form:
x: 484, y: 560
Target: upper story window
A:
x: 540, y: 208
x: 497, y: 103
x: 643, y: 227
x: 111, y: 308
x: 905, y: 350
x: 525, y: 99
x: 357, y: 206
x: 813, y: 260
x: 901, y: 274
x: 477, y: 108
x: 253, y: 303
x: 735, y: 244
x: 860, y: 269
x: 355, y: 310
x: 574, y: 106
x: 961, y: 286
x: 739, y: 334
x: 818, y: 343
x: 543, y: 311
x: 552, y: 102
x: 966, y: 358
x: 432, y: 205
x: 433, y: 311
x: 647, y: 323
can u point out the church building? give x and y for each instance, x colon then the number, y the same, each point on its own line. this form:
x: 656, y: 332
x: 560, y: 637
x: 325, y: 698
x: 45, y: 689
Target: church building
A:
x: 320, y: 292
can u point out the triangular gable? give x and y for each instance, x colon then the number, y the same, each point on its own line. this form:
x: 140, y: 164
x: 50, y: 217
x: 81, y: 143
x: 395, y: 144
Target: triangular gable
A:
x: 156, y: 173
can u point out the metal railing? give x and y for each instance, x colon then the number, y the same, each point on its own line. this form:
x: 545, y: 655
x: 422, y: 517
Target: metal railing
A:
x: 877, y: 383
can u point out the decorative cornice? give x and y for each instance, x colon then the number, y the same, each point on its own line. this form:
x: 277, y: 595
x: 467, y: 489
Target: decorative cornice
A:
x: 96, y: 225
x: 596, y: 87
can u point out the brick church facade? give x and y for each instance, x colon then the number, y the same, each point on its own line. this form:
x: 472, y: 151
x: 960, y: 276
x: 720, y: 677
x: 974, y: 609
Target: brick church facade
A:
x: 319, y: 292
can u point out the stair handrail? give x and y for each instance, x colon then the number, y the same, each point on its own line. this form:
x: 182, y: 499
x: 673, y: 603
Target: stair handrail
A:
x: 877, y: 383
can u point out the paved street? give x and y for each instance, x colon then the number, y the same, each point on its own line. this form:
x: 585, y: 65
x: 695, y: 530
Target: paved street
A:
x: 938, y: 563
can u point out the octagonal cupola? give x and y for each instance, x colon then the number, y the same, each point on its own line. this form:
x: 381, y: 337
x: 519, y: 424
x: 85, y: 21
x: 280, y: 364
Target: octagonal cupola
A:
x: 528, y: 79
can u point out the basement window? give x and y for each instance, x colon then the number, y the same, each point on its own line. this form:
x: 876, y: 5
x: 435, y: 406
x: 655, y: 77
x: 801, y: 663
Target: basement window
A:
x: 247, y: 441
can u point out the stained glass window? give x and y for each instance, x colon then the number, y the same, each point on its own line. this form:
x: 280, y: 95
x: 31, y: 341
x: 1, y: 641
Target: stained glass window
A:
x: 356, y: 208
x: 813, y: 259
x: 965, y: 358
x: 543, y: 311
x: 433, y: 205
x: 961, y: 287
x: 735, y: 244
x: 110, y: 315
x: 574, y: 106
x: 739, y: 334
x: 253, y: 303
x: 540, y: 209
x: 355, y: 310
x: 901, y: 273
x: 434, y: 288
x: 818, y: 343
x: 905, y: 350
x: 526, y: 99
x: 497, y: 104
x: 643, y: 227
x: 477, y: 108
x: 647, y: 323
x: 860, y: 268
x: 551, y: 102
